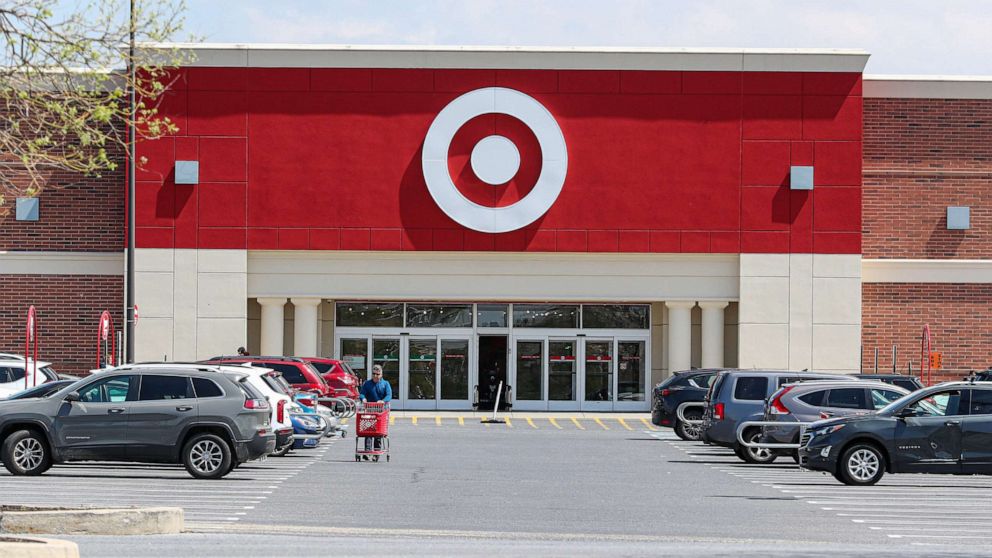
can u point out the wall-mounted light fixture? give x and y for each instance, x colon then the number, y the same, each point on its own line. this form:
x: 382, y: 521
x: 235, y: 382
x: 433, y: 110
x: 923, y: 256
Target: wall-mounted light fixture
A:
x: 958, y: 218
x: 801, y: 178
x: 187, y: 172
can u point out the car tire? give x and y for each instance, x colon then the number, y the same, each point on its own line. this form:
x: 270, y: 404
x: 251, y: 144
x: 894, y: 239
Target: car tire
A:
x: 207, y: 456
x: 860, y: 465
x: 26, y: 453
x: 755, y: 456
x: 689, y: 432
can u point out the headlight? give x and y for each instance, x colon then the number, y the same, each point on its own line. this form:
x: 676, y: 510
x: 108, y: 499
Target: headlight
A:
x: 828, y: 430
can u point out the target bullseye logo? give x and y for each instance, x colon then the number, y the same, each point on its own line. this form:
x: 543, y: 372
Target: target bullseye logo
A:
x: 495, y: 160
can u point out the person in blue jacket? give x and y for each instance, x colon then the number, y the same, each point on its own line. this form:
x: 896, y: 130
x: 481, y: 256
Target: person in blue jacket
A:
x: 375, y: 390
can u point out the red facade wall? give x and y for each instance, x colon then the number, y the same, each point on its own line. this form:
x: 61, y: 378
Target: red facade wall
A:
x: 922, y: 155
x: 68, y: 307
x: 959, y: 316
x: 329, y: 159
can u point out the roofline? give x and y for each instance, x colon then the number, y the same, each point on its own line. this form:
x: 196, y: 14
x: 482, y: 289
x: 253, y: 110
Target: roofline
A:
x: 272, y: 55
x: 927, y: 87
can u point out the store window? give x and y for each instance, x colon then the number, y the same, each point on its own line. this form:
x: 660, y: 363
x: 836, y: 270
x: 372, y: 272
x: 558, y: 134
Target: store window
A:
x: 546, y: 315
x: 491, y: 315
x: 439, y: 315
x: 615, y: 316
x: 369, y: 314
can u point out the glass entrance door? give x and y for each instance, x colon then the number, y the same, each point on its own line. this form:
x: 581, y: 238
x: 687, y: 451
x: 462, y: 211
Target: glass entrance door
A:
x: 563, y: 374
x: 528, y: 377
x: 421, y: 368
x: 631, y: 374
x: 453, y: 383
x: 598, y: 388
x: 386, y: 353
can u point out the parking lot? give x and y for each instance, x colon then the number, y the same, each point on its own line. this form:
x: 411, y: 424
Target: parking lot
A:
x: 585, y: 485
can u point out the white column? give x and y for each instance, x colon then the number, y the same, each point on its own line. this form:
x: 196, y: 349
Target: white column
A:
x: 679, y: 335
x: 712, y: 331
x: 305, y: 326
x: 272, y: 324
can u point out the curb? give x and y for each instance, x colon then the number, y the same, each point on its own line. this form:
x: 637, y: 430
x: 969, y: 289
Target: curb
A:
x: 33, y: 547
x: 91, y: 521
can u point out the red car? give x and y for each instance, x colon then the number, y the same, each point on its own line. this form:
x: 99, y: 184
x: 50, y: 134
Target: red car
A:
x: 296, y: 371
x: 338, y: 375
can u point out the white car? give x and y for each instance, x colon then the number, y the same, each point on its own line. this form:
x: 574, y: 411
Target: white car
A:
x: 12, y: 373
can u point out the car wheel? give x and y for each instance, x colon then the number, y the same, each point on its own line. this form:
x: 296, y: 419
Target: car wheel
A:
x: 207, y: 456
x: 689, y: 432
x: 861, y: 465
x: 26, y: 453
x: 757, y: 456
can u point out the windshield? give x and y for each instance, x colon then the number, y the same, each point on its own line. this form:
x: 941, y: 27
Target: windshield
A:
x: 44, y: 390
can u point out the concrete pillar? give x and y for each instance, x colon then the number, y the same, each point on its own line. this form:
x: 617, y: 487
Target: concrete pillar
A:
x: 305, y: 326
x: 272, y: 316
x: 712, y: 333
x: 679, y: 335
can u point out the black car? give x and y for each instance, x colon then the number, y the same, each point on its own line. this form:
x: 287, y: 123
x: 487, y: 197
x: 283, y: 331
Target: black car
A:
x: 681, y: 387
x: 911, y: 383
x: 942, y: 429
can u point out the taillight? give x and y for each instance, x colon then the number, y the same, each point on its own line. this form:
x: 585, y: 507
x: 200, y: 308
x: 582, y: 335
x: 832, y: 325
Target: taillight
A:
x: 281, y: 410
x: 309, y: 402
x: 256, y: 404
x: 718, y: 411
x: 666, y: 392
x: 777, y: 407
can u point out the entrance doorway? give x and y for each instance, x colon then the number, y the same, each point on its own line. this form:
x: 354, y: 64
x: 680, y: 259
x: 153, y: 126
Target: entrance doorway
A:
x: 492, y: 370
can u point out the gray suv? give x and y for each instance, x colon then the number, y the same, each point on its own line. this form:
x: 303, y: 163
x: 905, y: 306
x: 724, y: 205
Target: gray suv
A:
x: 208, y: 421
x: 736, y: 396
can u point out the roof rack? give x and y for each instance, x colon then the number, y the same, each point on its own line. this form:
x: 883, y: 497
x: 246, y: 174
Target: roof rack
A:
x: 256, y: 357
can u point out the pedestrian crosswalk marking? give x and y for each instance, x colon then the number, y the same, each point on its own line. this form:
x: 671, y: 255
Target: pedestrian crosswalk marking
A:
x: 437, y: 421
x: 554, y: 423
x: 461, y: 421
x: 413, y: 419
x: 577, y: 425
x: 530, y: 421
x: 601, y: 423
x: 624, y: 424
x: 649, y: 425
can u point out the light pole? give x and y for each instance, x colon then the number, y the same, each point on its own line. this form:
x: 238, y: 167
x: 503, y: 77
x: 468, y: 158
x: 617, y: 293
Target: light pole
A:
x: 131, y: 169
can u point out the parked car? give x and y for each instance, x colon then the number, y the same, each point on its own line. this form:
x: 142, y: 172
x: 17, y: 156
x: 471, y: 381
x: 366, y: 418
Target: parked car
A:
x: 739, y: 395
x: 944, y: 429
x: 911, y: 383
x: 688, y: 386
x: 339, y: 376
x: 296, y: 371
x: 308, y: 429
x: 813, y: 401
x: 206, y: 420
x: 13, y: 369
x: 982, y: 375
x: 44, y: 390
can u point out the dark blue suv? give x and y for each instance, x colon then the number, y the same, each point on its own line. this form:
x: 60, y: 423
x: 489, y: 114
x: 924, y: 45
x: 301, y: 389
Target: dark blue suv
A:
x: 689, y: 386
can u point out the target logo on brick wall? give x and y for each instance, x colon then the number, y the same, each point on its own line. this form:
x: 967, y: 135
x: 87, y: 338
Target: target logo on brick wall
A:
x: 495, y: 159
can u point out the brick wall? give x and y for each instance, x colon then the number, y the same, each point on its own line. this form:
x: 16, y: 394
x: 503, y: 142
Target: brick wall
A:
x: 959, y: 315
x: 920, y: 156
x: 68, y: 307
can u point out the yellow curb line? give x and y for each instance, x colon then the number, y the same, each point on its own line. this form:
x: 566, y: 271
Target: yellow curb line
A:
x: 392, y: 419
x: 580, y: 427
x: 599, y: 422
x: 649, y: 425
x: 508, y: 423
x: 413, y: 420
x: 554, y: 423
x: 624, y: 423
x: 437, y: 421
x: 461, y: 421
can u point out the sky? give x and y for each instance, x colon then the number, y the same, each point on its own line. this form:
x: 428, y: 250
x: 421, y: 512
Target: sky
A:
x: 903, y: 36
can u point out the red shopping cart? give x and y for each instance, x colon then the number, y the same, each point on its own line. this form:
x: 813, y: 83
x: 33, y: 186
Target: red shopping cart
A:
x: 372, y: 420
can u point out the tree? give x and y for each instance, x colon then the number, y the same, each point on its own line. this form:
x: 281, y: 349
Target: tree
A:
x: 64, y: 85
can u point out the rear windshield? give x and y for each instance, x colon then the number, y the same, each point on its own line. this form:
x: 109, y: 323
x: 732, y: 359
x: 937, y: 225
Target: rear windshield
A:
x: 906, y: 384
x: 276, y: 382
x: 714, y: 393
x: 751, y: 388
x: 322, y: 367
x: 702, y: 381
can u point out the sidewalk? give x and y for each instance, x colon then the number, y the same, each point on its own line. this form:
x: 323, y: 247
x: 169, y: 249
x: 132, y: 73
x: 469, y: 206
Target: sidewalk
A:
x: 524, y: 414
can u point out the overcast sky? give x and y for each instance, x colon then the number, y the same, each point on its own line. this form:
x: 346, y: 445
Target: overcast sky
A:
x: 903, y: 36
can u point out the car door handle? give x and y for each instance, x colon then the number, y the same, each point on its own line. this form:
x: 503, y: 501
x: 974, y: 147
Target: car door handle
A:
x: 115, y: 411
x: 952, y: 423
x: 184, y: 408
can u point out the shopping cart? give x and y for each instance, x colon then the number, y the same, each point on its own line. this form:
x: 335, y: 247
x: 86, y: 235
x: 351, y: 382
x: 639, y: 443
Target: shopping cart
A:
x: 372, y: 421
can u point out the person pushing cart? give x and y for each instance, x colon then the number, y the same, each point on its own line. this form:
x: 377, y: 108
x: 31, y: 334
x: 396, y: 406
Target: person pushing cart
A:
x: 373, y: 417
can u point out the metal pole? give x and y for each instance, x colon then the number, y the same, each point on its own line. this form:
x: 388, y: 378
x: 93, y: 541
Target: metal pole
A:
x: 496, y: 407
x: 131, y: 170
x: 893, y: 359
x: 876, y: 360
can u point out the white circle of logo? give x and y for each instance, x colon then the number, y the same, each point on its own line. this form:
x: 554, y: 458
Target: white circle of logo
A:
x: 495, y: 160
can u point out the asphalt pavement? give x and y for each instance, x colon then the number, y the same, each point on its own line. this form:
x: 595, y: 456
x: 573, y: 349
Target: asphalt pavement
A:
x: 613, y: 486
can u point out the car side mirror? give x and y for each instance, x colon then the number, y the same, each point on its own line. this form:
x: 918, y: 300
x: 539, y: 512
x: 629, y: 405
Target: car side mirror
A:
x: 907, y: 412
x: 72, y: 396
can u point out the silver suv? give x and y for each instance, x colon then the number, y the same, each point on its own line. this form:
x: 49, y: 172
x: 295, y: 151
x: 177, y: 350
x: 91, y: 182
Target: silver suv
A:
x: 208, y: 421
